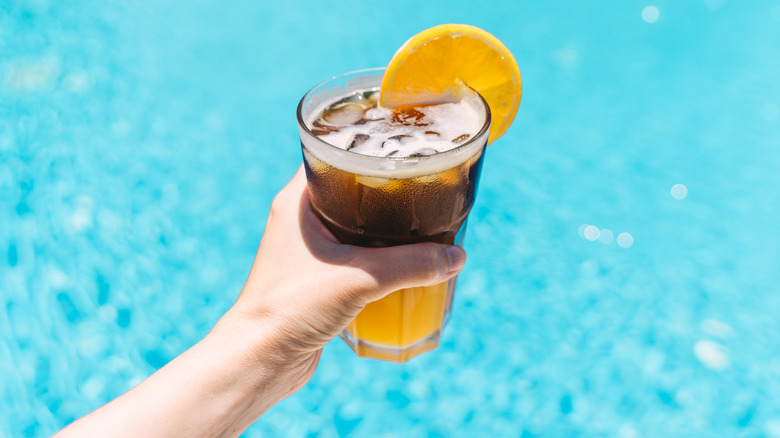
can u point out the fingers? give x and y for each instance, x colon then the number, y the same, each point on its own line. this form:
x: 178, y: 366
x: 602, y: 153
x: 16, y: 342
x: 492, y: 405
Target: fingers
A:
x: 298, y: 180
x: 296, y: 184
x: 290, y: 195
x: 398, y: 267
x: 388, y: 269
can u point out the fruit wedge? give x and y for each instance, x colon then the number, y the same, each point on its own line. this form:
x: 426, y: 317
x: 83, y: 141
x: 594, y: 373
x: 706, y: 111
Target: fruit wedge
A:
x: 434, y: 65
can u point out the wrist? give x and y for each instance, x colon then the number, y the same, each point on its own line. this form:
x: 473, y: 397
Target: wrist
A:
x: 261, y: 350
x: 234, y: 385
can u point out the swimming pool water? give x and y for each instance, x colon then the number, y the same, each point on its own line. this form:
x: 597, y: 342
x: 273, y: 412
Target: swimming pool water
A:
x: 624, y: 250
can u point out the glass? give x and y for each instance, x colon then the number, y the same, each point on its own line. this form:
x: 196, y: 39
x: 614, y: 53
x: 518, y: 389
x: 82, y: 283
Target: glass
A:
x: 383, y: 201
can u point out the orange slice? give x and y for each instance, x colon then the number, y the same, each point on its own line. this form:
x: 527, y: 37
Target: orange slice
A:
x: 433, y: 66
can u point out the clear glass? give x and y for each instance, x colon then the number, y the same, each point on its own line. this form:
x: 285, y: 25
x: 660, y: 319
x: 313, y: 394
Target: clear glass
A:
x: 385, y: 201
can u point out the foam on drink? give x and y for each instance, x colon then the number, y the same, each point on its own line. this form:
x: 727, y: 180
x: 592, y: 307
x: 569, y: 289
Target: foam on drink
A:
x: 356, y: 123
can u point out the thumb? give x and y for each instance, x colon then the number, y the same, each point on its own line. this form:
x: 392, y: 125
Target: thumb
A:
x: 419, y: 264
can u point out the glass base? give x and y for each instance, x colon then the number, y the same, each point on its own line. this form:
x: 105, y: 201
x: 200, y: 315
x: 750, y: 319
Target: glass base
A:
x: 391, y: 354
x: 405, y: 323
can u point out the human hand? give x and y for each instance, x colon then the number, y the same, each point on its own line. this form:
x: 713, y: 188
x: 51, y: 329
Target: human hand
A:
x: 303, y: 289
x: 305, y: 286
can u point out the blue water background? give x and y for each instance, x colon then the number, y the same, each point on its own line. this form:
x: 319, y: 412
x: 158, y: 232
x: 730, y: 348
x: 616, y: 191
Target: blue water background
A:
x: 141, y: 144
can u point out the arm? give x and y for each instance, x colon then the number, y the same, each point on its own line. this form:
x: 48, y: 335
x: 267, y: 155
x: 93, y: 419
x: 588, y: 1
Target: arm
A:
x: 303, y: 289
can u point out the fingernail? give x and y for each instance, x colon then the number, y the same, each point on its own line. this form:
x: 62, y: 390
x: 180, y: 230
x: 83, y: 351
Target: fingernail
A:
x: 456, y: 257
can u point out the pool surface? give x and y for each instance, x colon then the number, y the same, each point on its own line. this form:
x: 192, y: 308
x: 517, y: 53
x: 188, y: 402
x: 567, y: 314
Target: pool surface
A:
x: 624, y: 250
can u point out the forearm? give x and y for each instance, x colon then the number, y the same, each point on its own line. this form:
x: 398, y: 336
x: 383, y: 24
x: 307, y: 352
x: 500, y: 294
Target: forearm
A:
x: 303, y: 289
x: 216, y: 388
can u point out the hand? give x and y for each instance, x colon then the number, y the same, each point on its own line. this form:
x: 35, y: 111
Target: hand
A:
x: 303, y: 289
x: 305, y: 286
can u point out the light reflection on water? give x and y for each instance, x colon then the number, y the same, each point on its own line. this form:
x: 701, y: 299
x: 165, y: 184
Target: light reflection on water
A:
x: 141, y: 145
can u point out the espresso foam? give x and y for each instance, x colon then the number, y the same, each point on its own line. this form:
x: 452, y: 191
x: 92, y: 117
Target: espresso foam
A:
x: 356, y: 123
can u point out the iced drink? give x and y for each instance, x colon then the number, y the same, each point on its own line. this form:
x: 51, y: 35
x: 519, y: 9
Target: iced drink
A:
x: 381, y: 177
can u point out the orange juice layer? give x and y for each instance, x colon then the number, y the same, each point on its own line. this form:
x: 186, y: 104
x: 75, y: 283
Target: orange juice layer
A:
x: 401, y: 318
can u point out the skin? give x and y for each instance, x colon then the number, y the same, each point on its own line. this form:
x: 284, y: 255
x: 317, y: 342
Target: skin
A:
x: 303, y: 289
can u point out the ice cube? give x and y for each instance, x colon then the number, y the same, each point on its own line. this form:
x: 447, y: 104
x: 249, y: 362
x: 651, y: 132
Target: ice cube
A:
x: 380, y: 127
x: 402, y: 138
x: 376, y: 114
x: 372, y: 96
x: 320, y: 129
x: 431, y: 136
x: 344, y: 114
x: 371, y: 181
x: 428, y: 151
x: 357, y: 140
x: 409, y: 116
x: 461, y: 138
x: 354, y: 98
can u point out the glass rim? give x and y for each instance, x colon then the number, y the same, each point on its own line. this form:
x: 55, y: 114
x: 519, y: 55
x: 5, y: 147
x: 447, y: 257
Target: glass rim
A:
x: 373, y: 158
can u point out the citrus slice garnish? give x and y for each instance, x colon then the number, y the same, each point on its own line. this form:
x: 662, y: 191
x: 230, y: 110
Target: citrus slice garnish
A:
x: 434, y: 65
